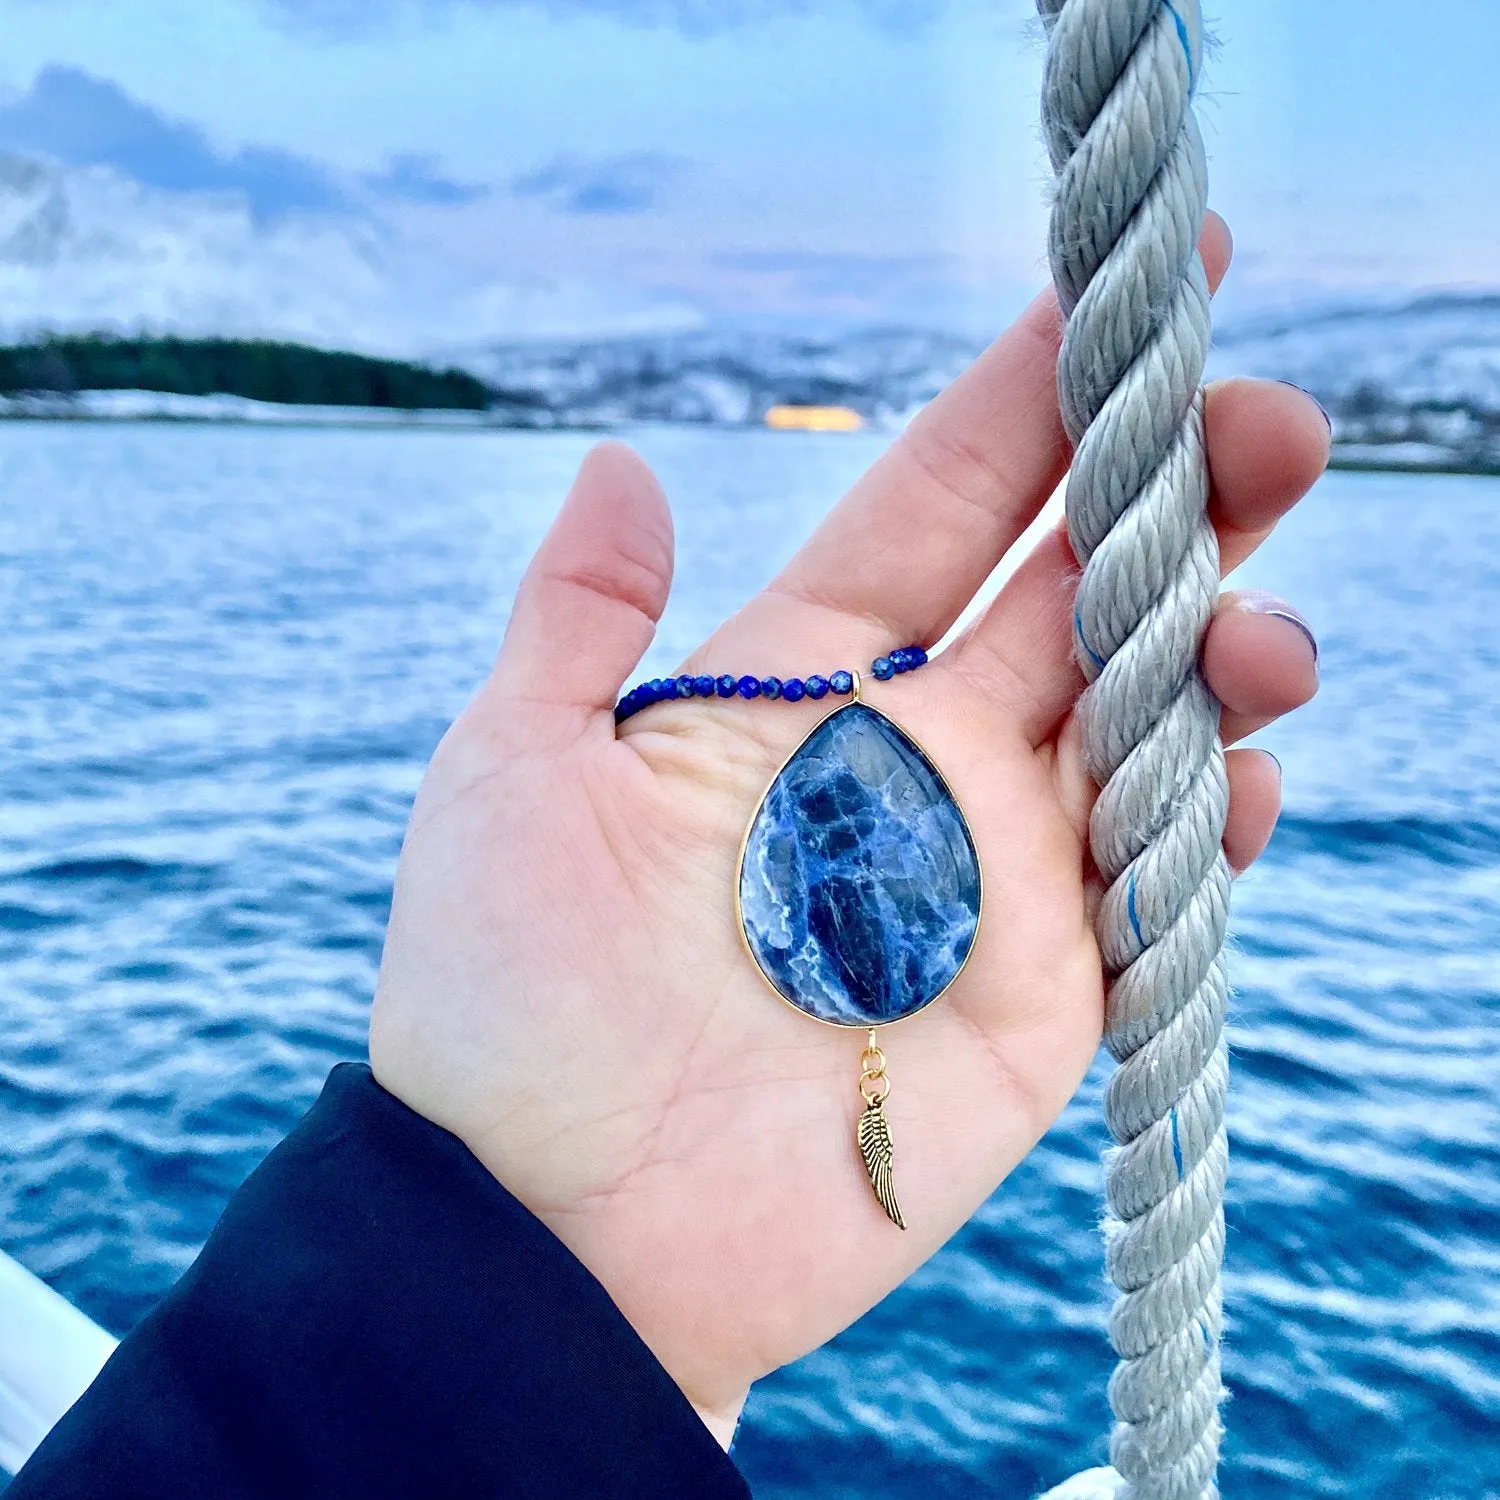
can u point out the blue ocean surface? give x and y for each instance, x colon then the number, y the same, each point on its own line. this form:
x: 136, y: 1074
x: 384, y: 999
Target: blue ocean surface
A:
x: 225, y: 656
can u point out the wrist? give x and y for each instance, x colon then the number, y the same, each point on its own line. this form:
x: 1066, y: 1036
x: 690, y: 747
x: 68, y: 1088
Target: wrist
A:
x: 722, y: 1420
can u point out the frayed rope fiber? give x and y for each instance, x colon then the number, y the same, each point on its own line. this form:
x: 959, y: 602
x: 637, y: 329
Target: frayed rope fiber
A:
x: 1130, y: 197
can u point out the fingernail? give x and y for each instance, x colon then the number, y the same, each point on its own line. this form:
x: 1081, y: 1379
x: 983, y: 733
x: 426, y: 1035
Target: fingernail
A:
x: 1304, y: 390
x: 1256, y: 602
x: 1275, y: 760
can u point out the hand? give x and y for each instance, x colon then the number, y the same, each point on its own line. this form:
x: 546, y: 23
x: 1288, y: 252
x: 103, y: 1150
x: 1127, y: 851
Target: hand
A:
x: 564, y: 986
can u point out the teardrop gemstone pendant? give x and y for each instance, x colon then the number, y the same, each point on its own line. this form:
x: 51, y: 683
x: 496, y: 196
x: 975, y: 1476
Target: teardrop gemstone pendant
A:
x: 859, y: 885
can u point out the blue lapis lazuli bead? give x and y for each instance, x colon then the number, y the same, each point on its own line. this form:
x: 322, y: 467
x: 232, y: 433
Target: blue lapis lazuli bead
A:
x: 748, y: 687
x: 703, y: 686
x: 817, y: 687
x: 900, y: 661
x: 883, y: 668
x: 793, y: 690
x: 685, y: 687
x: 859, y: 884
x: 842, y: 683
x: 726, y: 685
x: 770, y: 687
x: 917, y: 655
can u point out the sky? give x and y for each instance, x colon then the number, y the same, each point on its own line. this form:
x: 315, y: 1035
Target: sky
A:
x: 397, y: 173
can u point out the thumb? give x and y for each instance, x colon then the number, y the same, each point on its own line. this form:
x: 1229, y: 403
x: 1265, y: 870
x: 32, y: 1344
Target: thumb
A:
x: 588, y: 605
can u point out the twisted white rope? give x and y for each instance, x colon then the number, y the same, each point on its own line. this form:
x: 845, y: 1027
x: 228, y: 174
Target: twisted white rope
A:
x: 1131, y: 191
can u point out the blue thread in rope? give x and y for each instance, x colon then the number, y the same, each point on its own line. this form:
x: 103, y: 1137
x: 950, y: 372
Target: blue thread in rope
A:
x: 1089, y: 651
x: 1187, y: 45
x: 1176, y: 1146
x: 1135, y: 924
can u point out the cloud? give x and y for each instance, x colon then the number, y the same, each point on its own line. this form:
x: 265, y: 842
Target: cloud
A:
x: 415, y: 178
x: 86, y: 121
x: 629, y: 183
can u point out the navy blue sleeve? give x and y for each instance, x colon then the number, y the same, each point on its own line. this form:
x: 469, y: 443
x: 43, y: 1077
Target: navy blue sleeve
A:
x: 375, y: 1316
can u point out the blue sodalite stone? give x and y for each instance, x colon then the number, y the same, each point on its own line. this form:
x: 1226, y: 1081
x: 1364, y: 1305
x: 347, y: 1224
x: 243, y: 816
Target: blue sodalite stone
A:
x: 859, y: 887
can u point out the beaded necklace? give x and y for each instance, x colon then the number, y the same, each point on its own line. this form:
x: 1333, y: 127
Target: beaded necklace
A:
x: 793, y: 690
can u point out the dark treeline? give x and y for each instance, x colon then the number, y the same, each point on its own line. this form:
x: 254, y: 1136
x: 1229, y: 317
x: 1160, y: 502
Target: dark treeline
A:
x: 258, y: 368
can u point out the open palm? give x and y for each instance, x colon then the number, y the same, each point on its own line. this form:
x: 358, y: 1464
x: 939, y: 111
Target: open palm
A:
x: 564, y: 984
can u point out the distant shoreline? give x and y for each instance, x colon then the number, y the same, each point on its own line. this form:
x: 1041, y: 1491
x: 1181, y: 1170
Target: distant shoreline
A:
x: 1362, y: 465
x: 1347, y: 458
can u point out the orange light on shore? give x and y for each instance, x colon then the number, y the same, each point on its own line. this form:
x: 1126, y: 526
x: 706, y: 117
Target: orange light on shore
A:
x: 814, y: 419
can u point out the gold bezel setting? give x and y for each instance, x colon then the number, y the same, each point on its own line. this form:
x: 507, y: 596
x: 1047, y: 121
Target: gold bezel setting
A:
x: 855, y: 699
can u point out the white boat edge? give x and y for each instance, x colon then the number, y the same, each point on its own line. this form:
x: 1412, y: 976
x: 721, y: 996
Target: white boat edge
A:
x: 49, y: 1355
x: 1094, y: 1484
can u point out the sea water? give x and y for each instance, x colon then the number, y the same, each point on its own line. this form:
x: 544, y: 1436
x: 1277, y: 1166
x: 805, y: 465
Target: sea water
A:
x: 225, y: 655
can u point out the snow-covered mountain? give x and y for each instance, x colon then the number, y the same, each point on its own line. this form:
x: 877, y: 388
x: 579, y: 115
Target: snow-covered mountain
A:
x: 1412, y: 384
x: 1415, y: 384
x: 87, y: 249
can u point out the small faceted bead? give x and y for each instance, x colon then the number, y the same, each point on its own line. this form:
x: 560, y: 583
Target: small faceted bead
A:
x: 726, y: 686
x: 842, y: 683
x: 817, y: 687
x: 917, y: 656
x: 703, y: 686
x: 748, y: 687
x: 770, y: 687
x: 900, y: 661
x: 684, y: 687
x: 883, y: 668
x: 793, y: 690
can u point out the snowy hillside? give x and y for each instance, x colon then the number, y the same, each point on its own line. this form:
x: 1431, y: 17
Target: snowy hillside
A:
x: 1414, y: 385
x: 726, y: 377
x: 88, y: 249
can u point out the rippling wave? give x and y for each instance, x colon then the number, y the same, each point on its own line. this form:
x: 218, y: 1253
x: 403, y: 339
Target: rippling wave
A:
x: 225, y: 660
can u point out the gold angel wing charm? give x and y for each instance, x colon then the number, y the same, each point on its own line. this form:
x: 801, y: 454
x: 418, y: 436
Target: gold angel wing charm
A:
x: 875, y: 1147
